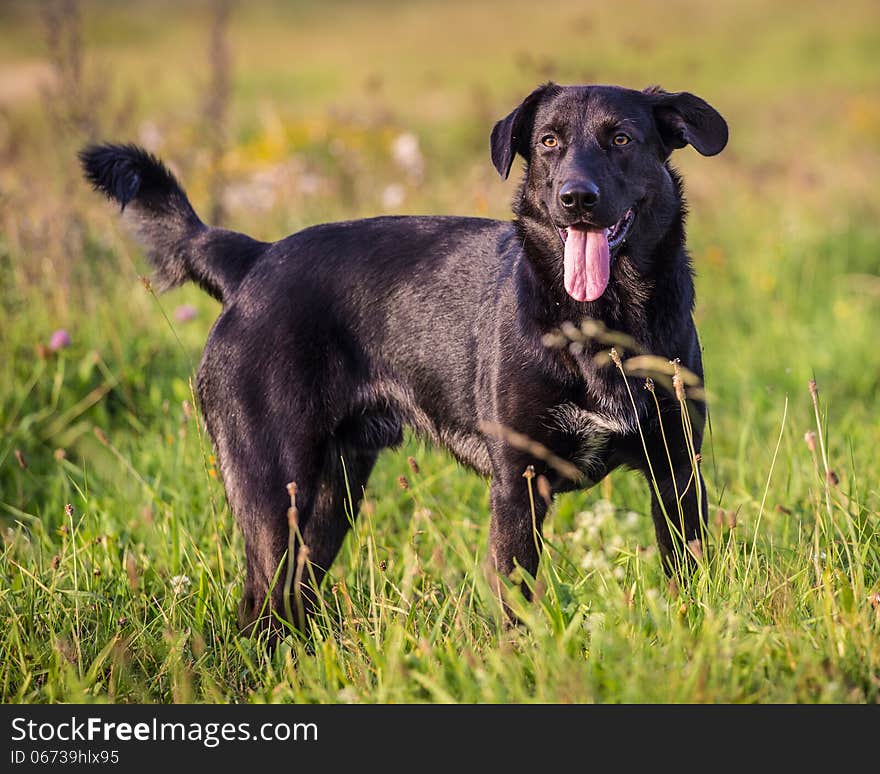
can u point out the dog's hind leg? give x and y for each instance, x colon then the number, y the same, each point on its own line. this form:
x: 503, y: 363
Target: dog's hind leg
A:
x: 336, y: 505
x: 282, y: 557
x: 257, y: 490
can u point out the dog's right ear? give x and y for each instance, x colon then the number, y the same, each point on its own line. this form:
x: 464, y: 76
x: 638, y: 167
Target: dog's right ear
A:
x: 511, y: 135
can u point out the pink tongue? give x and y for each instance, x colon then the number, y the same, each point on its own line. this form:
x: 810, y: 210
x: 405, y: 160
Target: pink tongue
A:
x: 587, y: 264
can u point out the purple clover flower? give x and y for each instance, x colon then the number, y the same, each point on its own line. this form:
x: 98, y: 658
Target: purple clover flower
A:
x: 60, y: 339
x: 185, y: 313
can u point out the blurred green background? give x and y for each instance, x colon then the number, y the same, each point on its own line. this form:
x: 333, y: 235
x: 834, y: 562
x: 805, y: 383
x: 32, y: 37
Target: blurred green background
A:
x: 277, y: 115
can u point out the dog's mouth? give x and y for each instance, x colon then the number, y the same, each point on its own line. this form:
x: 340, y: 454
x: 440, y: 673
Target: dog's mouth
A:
x: 588, y: 253
x: 616, y: 234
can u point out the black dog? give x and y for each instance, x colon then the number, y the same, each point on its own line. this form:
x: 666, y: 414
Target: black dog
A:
x: 334, y: 338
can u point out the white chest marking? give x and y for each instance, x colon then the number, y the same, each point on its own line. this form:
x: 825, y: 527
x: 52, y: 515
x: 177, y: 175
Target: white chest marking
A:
x: 592, y: 430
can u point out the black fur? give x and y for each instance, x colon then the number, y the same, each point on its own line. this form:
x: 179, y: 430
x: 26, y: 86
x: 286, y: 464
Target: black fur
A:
x: 333, y: 339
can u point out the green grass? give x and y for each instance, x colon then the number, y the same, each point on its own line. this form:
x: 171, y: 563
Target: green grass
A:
x: 131, y: 593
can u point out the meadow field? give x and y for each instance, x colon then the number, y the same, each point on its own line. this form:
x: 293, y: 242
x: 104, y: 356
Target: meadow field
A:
x: 120, y: 563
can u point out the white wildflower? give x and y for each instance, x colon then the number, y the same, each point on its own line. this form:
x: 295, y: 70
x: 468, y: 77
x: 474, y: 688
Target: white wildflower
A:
x: 392, y: 196
x: 150, y: 136
x: 180, y: 583
x: 347, y: 695
x: 308, y: 183
x: 407, y: 155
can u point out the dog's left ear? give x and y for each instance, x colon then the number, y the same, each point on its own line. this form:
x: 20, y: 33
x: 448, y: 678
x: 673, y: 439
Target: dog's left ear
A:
x: 685, y: 119
x: 511, y: 135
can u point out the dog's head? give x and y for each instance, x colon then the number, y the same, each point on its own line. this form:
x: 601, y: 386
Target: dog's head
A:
x: 597, y: 177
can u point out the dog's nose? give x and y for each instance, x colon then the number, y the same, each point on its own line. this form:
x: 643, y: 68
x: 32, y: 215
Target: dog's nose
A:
x: 579, y: 195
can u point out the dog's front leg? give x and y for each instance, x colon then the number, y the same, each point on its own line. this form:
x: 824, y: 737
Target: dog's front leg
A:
x: 679, y: 510
x: 515, y: 530
x: 670, y: 461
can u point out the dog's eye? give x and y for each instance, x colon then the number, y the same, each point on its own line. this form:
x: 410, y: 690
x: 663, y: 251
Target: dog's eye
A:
x: 620, y: 139
x: 549, y: 141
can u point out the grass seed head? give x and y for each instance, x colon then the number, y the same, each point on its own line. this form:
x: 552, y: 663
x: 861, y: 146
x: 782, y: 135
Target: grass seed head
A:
x: 725, y: 519
x: 571, y: 331
x: 810, y: 438
x: 131, y: 571
x: 677, y: 381
x: 554, y: 340
x: 66, y: 649
x: 544, y: 489
x: 615, y: 357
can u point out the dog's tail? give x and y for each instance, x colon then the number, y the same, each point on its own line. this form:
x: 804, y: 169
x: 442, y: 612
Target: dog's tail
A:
x: 179, y: 246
